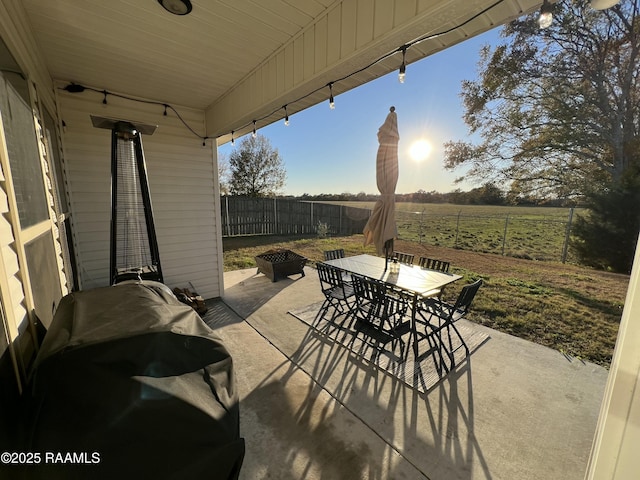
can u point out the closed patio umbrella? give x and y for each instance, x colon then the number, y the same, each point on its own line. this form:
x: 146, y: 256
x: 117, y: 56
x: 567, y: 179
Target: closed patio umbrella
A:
x: 381, y: 227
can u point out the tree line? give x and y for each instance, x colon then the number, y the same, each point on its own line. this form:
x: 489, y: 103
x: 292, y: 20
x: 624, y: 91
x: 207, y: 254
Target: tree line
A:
x: 488, y: 194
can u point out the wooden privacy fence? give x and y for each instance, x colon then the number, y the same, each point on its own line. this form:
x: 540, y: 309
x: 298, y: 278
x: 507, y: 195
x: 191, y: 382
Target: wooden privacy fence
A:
x: 276, y: 216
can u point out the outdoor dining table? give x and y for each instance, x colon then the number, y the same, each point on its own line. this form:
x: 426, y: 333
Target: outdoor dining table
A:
x: 412, y: 279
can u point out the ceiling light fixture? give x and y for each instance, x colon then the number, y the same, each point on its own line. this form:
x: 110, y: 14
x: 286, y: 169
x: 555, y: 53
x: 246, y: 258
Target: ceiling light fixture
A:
x: 603, y: 4
x: 546, y: 15
x: 177, y: 7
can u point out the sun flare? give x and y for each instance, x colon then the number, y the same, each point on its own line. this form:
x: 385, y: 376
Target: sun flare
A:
x: 420, y: 150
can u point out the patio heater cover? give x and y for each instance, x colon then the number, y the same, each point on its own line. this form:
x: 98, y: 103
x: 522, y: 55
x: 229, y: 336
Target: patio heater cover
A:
x: 381, y: 227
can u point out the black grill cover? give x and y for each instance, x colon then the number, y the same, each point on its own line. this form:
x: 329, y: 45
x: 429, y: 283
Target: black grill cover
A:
x: 133, y: 384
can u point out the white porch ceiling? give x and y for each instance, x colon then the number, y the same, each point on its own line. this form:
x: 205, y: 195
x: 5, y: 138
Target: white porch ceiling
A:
x: 241, y: 59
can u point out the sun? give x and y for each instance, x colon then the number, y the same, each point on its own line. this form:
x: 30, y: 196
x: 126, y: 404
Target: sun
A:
x: 420, y: 150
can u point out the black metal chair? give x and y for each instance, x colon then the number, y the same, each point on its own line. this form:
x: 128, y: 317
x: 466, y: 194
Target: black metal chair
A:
x: 333, y: 254
x: 437, y: 316
x: 380, y: 313
x: 337, y: 292
x: 434, y: 264
x: 406, y: 258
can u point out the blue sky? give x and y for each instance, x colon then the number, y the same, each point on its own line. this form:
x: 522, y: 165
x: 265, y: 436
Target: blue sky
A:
x: 334, y: 151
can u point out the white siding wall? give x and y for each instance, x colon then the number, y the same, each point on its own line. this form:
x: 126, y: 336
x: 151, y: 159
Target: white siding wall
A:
x: 182, y: 180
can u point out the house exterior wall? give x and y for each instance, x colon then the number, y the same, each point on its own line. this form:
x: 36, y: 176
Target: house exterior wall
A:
x: 182, y: 182
x: 184, y: 188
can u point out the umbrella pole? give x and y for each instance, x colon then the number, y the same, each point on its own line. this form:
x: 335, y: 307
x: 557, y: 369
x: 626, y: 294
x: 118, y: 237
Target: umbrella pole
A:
x: 388, y: 247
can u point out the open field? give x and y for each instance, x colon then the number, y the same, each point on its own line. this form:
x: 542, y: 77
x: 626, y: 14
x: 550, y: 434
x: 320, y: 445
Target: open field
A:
x: 534, y: 233
x: 572, y: 309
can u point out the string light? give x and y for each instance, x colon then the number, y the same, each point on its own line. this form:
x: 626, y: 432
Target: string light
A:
x: 286, y: 116
x: 233, y: 140
x: 253, y: 134
x: 545, y: 19
x: 332, y: 104
x: 76, y: 88
x: 403, y: 67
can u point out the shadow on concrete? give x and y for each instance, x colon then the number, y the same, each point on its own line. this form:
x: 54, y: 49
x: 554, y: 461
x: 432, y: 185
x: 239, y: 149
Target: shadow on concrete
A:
x: 309, y: 438
x: 219, y: 315
x: 365, y: 389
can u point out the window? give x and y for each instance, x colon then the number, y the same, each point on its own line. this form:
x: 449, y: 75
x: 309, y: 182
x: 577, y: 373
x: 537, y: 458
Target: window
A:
x: 22, y: 146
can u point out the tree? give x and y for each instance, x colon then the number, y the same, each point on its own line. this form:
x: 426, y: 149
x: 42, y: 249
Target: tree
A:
x: 558, y: 110
x: 606, y: 239
x: 224, y: 174
x: 487, y: 194
x: 257, y: 170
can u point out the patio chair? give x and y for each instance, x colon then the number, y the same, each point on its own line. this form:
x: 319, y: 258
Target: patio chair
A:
x: 380, y: 313
x: 406, y: 258
x: 337, y: 292
x: 434, y: 264
x: 437, y: 316
x: 333, y: 254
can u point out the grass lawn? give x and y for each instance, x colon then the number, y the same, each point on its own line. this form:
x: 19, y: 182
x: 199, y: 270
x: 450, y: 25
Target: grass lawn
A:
x: 569, y: 308
x: 532, y: 233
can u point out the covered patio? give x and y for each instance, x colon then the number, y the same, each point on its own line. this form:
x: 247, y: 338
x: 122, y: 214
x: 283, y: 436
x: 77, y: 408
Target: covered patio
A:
x: 312, y: 409
x: 309, y: 410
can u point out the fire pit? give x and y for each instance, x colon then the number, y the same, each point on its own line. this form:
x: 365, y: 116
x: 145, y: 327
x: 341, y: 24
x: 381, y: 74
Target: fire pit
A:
x: 280, y: 263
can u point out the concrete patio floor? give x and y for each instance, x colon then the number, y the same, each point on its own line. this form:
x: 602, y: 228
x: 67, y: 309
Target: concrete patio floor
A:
x: 311, y: 410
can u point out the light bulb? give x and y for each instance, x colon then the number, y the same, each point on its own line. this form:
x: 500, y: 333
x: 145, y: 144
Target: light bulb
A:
x: 403, y: 67
x: 332, y: 104
x: 546, y: 15
x: 545, y: 20
x: 402, y: 74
